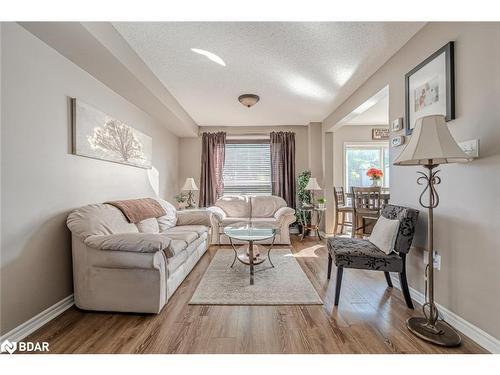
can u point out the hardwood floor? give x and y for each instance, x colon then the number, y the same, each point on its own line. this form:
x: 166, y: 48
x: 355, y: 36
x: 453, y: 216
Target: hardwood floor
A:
x: 370, y: 319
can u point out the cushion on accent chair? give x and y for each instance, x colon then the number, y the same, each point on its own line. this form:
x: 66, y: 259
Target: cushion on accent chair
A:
x: 384, y: 234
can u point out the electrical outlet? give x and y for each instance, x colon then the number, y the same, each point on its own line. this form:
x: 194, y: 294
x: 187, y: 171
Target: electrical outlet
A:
x: 437, y: 262
x: 437, y: 259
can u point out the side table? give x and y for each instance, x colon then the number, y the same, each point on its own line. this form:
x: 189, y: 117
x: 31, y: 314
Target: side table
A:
x: 314, y: 225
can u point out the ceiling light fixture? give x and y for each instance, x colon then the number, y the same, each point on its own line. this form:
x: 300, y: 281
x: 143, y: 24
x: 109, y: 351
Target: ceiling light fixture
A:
x: 209, y: 55
x: 248, y: 100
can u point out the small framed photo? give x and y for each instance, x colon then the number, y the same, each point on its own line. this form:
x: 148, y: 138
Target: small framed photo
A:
x: 430, y: 87
x: 380, y: 134
x: 397, y: 141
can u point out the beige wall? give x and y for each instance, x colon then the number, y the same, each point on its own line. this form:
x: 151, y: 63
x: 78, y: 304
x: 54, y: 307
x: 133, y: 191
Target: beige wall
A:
x: 467, y: 221
x: 190, y: 148
x: 42, y: 181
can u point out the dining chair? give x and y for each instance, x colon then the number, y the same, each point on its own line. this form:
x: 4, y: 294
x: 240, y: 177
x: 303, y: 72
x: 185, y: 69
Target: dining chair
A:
x: 366, y: 205
x: 341, y: 209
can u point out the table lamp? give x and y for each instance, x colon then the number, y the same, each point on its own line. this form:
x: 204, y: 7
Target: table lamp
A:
x: 190, y: 186
x: 312, y: 185
x: 430, y: 145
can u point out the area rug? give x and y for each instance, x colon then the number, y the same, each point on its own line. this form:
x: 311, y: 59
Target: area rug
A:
x: 285, y: 284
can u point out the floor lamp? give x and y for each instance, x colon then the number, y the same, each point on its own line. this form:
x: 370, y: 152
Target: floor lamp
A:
x: 431, y: 144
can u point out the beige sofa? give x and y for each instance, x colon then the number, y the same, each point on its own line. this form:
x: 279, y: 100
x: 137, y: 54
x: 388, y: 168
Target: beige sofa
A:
x: 119, y: 266
x: 261, y: 209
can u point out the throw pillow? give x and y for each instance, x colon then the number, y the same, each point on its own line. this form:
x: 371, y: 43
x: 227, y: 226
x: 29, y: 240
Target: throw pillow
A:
x: 384, y: 234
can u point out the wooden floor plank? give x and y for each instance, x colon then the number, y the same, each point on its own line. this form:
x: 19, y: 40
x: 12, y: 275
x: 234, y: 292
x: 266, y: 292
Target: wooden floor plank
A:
x: 369, y: 319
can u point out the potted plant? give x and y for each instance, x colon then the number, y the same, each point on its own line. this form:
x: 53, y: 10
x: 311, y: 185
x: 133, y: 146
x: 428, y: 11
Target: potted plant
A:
x: 321, y: 201
x: 303, y: 194
x: 180, y: 199
x: 375, y: 175
x: 303, y: 197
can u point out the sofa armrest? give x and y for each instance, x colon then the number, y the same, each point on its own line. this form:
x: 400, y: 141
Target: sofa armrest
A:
x: 283, y: 211
x: 132, y: 242
x: 217, y: 212
x: 193, y: 217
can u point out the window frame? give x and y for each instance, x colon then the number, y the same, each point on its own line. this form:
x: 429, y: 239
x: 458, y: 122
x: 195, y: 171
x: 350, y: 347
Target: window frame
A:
x: 365, y: 144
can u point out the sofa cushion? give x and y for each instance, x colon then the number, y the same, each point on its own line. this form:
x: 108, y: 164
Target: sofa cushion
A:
x: 199, y: 229
x: 148, y: 226
x: 170, y: 219
x: 185, y: 236
x: 234, y: 206
x: 193, y: 217
x: 194, y: 245
x: 266, y: 205
x: 362, y: 254
x: 175, y: 247
x: 134, y: 242
x: 175, y: 262
x: 98, y: 219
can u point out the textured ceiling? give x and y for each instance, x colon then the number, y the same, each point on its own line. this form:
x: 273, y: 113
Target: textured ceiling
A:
x: 301, y: 70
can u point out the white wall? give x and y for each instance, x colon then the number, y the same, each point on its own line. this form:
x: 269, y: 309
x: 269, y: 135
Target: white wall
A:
x: 467, y: 221
x: 41, y: 181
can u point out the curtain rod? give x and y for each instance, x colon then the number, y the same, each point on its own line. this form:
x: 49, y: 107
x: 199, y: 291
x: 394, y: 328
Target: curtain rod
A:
x: 243, y: 134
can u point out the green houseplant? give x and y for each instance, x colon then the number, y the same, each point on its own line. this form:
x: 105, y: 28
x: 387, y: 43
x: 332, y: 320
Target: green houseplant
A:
x: 303, y: 195
x: 321, y: 201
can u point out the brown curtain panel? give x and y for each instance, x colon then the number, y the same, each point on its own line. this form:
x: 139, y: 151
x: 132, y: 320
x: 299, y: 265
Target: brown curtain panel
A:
x: 212, y: 165
x: 283, y: 166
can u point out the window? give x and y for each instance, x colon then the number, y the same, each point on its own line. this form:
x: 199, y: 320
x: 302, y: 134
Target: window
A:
x: 358, y: 158
x: 247, y: 168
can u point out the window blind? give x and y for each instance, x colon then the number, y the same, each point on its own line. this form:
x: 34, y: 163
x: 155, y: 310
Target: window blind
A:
x: 247, y: 169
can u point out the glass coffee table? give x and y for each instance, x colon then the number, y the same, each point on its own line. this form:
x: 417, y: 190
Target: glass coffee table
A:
x: 250, y: 232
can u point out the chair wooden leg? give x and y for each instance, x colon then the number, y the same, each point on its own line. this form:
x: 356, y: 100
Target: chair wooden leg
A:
x: 338, y: 284
x: 335, y: 222
x: 330, y: 261
x: 342, y: 222
x: 388, y: 279
x: 404, y: 288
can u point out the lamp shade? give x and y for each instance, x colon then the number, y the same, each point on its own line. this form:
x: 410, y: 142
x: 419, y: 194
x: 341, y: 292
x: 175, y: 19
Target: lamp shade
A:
x: 431, y: 143
x: 189, y: 184
x: 312, y: 184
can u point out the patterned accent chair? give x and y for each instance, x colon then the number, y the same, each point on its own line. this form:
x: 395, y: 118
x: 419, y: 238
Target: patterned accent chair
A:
x: 362, y: 254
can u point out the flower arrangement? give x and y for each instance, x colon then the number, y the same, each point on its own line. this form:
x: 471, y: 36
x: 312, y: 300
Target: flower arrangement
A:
x: 375, y: 174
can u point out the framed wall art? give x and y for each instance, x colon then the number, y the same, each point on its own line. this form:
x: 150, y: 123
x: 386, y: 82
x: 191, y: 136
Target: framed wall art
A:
x: 100, y: 136
x: 430, y: 87
x: 380, y: 134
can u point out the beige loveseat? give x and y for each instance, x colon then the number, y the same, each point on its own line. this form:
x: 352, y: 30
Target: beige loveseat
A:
x: 119, y: 266
x: 260, y: 209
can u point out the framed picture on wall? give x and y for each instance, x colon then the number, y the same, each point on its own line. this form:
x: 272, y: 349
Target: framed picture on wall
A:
x: 380, y: 134
x: 430, y: 87
x: 100, y: 136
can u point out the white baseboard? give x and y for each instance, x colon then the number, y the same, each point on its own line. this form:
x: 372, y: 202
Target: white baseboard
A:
x: 481, y: 337
x: 38, y: 321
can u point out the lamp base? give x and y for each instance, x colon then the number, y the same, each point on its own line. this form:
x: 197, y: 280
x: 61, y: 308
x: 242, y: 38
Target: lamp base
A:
x: 440, y: 334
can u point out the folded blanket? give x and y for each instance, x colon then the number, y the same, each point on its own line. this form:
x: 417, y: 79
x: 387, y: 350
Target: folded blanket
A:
x: 136, y: 210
